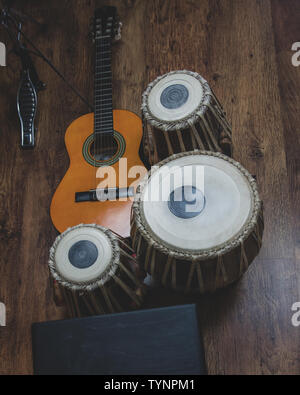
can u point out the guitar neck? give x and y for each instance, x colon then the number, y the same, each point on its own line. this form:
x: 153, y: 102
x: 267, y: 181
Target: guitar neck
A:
x: 103, y: 122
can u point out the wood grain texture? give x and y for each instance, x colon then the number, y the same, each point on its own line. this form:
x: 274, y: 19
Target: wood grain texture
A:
x: 243, y: 48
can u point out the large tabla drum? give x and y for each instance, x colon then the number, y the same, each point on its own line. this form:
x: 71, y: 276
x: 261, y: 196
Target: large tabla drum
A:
x: 197, y: 221
x: 94, y: 271
x: 181, y: 113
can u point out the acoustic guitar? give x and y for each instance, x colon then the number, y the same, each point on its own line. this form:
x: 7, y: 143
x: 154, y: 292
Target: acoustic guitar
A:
x: 103, y: 147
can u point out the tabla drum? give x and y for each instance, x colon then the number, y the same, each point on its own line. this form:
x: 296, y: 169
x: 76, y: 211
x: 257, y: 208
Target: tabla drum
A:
x: 197, y: 221
x: 181, y: 113
x: 94, y: 270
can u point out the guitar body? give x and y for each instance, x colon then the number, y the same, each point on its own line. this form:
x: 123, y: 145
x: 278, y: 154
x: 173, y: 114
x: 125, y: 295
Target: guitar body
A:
x: 81, y: 175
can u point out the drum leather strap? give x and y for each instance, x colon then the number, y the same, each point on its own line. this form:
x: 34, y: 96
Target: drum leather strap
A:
x: 211, y: 135
x: 181, y: 143
x: 169, y: 145
x: 149, y: 248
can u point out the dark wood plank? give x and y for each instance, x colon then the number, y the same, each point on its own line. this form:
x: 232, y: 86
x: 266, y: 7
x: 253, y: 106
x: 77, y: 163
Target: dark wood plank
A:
x: 28, y: 179
x: 29, y: 187
x: 232, y: 46
x: 286, y: 32
x: 173, y: 346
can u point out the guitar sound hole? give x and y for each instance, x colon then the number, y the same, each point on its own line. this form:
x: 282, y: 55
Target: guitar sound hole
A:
x: 104, y: 149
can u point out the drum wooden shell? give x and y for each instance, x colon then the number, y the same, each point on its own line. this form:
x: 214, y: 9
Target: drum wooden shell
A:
x: 205, y: 270
x: 118, y: 289
x: 206, y: 128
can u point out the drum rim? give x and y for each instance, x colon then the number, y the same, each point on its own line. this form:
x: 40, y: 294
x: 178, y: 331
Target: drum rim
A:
x: 182, y: 123
x: 103, y: 277
x: 210, y: 253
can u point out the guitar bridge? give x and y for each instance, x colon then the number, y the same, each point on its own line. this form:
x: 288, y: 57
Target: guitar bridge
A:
x: 102, y: 195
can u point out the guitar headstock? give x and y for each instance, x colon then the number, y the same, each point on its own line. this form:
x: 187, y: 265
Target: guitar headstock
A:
x: 106, y: 24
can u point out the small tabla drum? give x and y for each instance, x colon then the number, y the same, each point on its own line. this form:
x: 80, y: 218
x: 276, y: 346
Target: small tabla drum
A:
x: 181, y: 113
x: 94, y: 271
x: 197, y: 221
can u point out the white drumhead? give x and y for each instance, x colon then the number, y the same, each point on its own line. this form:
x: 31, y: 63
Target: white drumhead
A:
x: 225, y: 202
x: 175, y: 96
x: 82, y: 254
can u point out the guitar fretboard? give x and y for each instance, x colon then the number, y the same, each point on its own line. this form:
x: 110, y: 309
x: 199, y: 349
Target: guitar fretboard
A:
x: 103, y: 123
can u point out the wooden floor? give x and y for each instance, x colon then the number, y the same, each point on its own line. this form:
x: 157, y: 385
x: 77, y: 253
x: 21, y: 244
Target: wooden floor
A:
x: 243, y: 48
